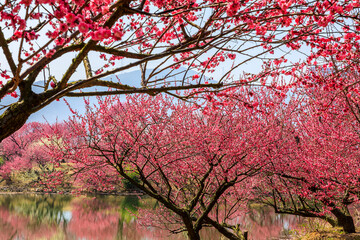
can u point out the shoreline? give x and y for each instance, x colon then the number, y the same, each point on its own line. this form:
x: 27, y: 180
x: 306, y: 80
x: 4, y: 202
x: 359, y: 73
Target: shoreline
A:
x: 72, y: 194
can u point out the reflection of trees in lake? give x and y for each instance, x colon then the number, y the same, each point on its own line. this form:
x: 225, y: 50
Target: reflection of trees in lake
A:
x: 31, y: 217
x: 104, y: 218
x: 13, y: 226
x: 92, y: 223
x: 107, y: 217
x: 259, y: 221
x: 262, y: 222
x: 42, y: 209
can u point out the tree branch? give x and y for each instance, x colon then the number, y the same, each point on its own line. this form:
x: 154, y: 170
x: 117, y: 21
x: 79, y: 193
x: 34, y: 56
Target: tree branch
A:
x: 7, y: 53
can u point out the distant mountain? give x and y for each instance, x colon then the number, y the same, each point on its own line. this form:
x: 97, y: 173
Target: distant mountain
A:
x: 59, y: 111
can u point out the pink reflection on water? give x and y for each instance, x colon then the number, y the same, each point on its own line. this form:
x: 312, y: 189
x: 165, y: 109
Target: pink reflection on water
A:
x: 263, y: 224
x: 94, y: 219
x: 14, y: 226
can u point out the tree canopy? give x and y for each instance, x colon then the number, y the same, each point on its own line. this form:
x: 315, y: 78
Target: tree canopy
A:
x: 73, y: 45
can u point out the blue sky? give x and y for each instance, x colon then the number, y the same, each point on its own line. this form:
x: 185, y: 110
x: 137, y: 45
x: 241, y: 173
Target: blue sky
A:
x: 59, y: 111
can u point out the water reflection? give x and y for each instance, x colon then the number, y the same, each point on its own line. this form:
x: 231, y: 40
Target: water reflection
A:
x: 110, y: 217
x: 262, y: 223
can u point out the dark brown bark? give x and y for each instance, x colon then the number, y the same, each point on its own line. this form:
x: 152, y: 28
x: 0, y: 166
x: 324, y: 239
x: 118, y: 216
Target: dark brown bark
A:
x: 344, y: 220
x: 14, y: 118
x: 191, y: 232
x: 16, y: 115
x: 222, y: 229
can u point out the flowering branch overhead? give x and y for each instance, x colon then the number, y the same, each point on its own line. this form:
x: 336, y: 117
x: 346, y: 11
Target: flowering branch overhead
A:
x: 50, y: 40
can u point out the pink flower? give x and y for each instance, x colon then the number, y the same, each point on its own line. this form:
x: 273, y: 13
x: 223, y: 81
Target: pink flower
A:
x: 97, y: 36
x: 14, y: 94
x: 118, y: 35
x: 196, y: 76
x: 17, y: 35
x: 63, y: 27
x: 83, y: 27
x: 50, y: 53
x: 232, y: 8
x: 59, y: 14
x: 26, y: 2
x: 70, y: 17
x: 104, y: 10
x: 232, y: 56
x: 60, y: 41
x: 106, y: 33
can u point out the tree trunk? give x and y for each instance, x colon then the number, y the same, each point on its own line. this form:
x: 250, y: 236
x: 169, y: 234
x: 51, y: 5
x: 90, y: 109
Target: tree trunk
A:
x: 191, y: 232
x: 193, y: 235
x: 17, y: 113
x: 344, y: 220
x: 225, y: 232
x: 13, y: 119
x: 8, y: 180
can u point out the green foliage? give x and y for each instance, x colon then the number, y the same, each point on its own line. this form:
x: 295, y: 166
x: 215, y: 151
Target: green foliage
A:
x: 318, y: 225
x: 317, y: 229
x: 41, y: 209
x: 33, y: 179
x: 24, y: 177
x: 128, y: 185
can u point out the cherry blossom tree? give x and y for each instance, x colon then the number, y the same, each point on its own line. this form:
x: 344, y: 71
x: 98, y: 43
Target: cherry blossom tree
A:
x: 315, y: 167
x: 25, y: 150
x: 40, y: 37
x: 193, y: 160
x: 21, y: 150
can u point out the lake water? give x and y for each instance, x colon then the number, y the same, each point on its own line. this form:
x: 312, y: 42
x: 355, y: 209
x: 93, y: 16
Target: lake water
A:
x: 111, y: 217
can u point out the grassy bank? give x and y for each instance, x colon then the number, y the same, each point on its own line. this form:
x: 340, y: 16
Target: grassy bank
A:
x: 37, y: 180
x: 316, y: 229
